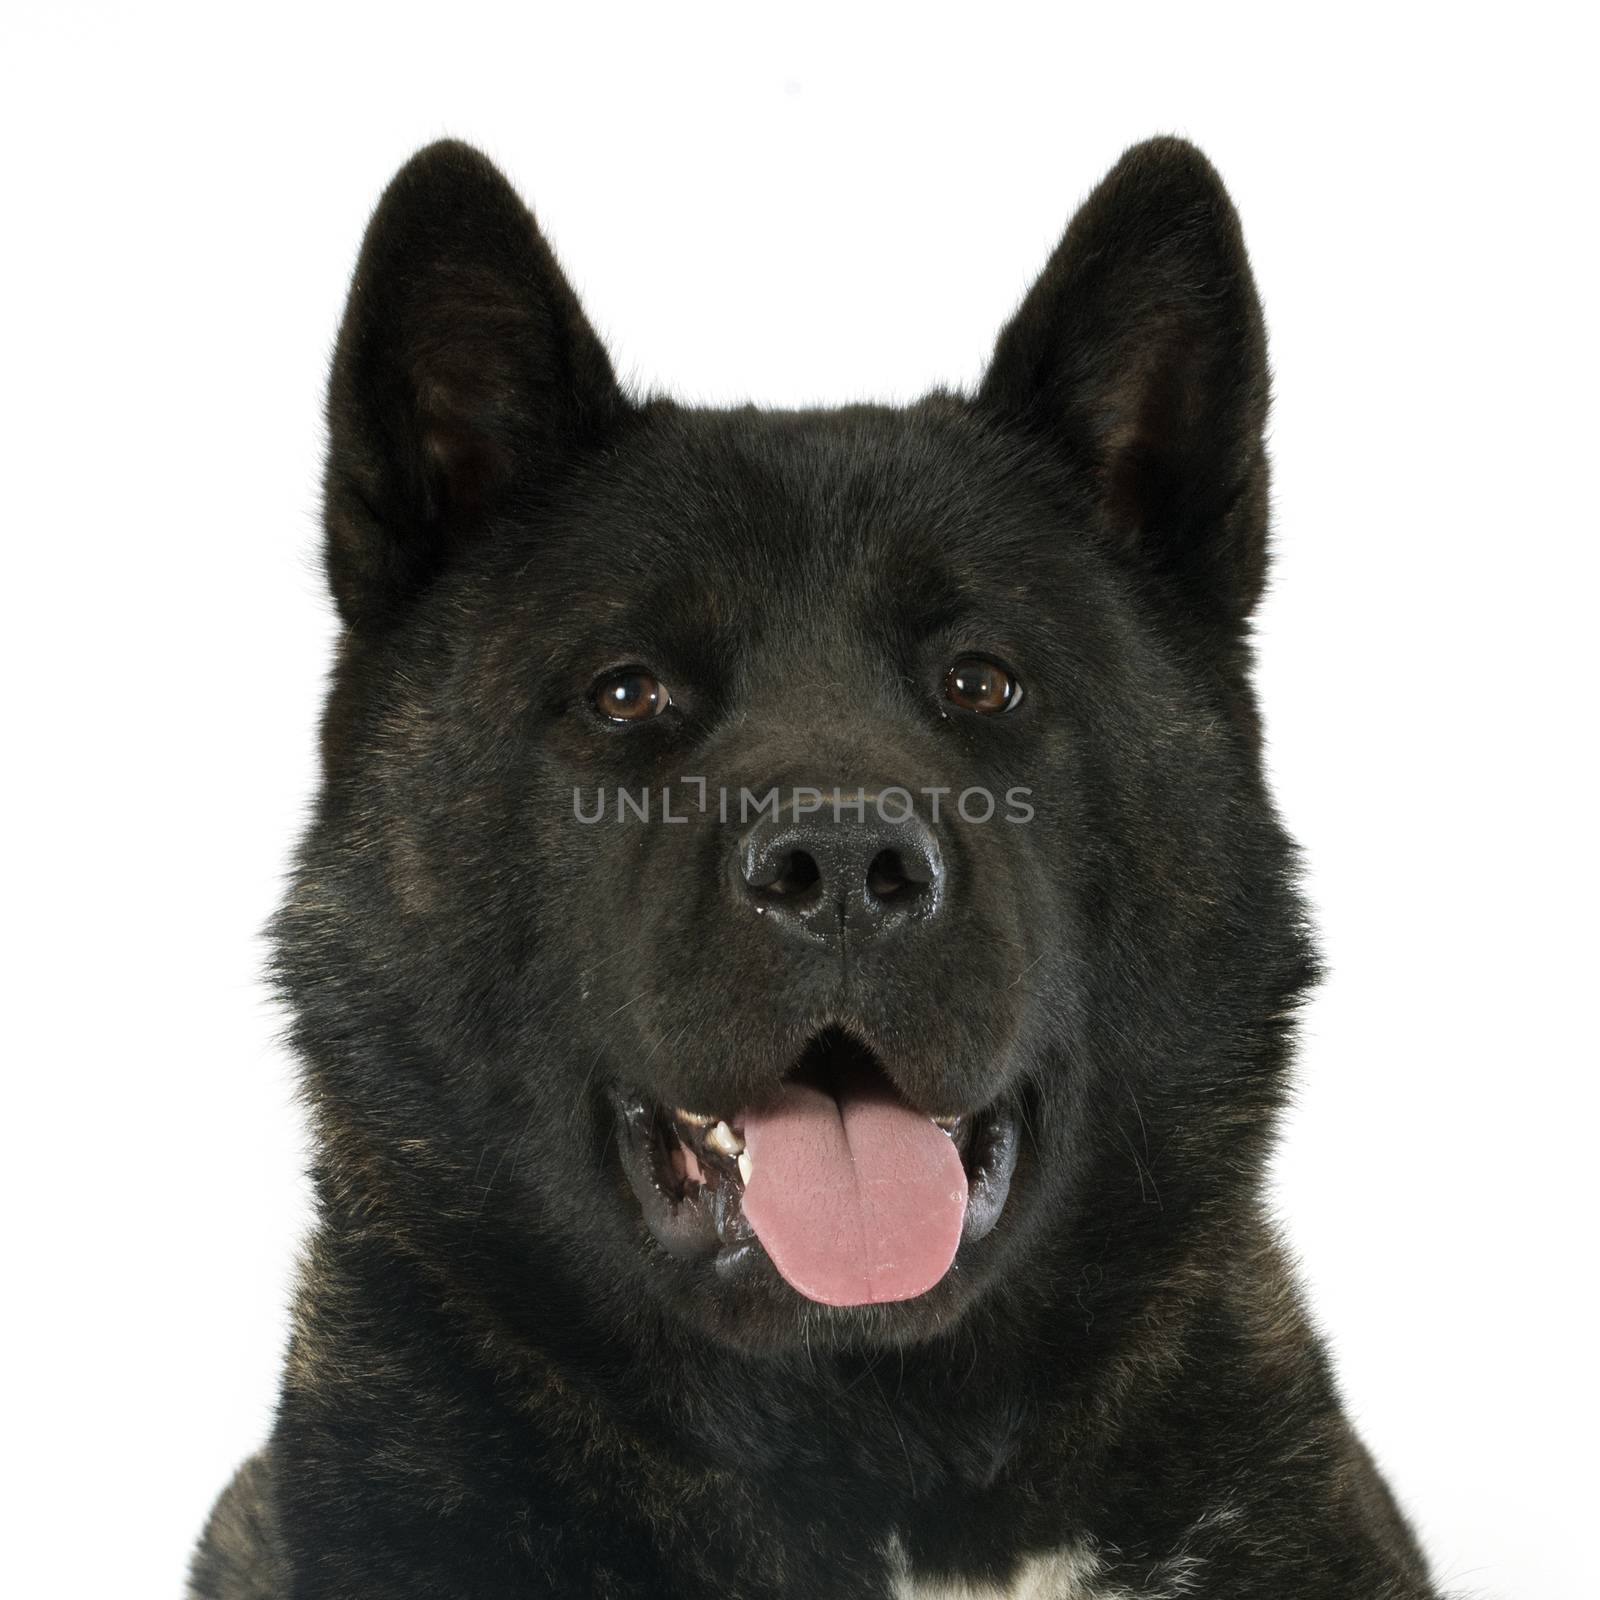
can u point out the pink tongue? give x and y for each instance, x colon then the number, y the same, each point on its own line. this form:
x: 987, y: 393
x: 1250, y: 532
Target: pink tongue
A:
x: 858, y: 1199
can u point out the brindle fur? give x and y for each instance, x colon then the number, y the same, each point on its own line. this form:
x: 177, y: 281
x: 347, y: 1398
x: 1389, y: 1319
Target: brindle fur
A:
x: 497, y: 1385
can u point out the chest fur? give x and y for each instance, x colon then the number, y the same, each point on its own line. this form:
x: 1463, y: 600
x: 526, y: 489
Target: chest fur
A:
x: 1073, y: 1572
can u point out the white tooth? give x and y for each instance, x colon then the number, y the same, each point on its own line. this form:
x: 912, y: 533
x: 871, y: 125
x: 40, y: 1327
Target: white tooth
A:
x: 746, y: 1166
x: 723, y: 1138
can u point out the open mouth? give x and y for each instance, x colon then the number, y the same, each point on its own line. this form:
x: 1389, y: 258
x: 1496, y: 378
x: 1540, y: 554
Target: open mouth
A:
x: 856, y: 1197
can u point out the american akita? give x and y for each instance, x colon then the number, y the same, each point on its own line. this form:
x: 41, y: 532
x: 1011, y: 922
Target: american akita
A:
x: 794, y: 965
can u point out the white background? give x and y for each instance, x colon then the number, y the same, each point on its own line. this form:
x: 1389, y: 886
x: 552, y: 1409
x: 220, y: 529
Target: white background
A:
x: 805, y: 205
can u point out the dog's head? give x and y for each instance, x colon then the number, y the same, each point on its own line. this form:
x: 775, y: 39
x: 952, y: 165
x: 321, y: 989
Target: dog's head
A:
x: 806, y: 871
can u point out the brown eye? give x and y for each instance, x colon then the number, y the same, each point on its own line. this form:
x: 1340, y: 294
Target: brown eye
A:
x: 978, y: 685
x: 630, y: 696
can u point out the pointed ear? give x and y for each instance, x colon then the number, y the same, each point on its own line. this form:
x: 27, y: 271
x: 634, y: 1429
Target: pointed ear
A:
x: 464, y: 373
x: 1140, y: 357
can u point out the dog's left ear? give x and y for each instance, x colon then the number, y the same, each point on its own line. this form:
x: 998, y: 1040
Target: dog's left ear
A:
x: 1140, y: 357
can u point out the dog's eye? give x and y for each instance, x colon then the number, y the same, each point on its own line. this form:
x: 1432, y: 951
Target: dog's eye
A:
x: 630, y: 695
x: 975, y: 684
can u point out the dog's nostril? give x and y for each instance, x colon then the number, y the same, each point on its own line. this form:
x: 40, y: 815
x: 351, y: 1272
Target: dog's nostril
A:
x: 887, y: 878
x: 799, y: 872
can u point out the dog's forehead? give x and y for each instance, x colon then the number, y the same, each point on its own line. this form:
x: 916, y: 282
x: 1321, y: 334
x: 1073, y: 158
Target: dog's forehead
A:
x: 709, y: 516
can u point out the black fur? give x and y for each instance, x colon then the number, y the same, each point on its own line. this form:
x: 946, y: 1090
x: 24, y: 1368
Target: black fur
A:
x: 498, y: 1383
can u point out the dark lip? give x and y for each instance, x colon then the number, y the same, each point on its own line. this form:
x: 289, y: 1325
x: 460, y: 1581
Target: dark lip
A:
x: 706, y: 1222
x: 686, y: 1227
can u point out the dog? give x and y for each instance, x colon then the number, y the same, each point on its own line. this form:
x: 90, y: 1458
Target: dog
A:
x: 795, y: 965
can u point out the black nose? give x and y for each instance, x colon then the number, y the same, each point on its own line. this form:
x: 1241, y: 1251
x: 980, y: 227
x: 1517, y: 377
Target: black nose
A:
x: 828, y: 876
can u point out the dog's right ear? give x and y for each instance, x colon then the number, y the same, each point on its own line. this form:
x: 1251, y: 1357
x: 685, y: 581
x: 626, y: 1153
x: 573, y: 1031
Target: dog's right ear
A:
x: 465, y: 372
